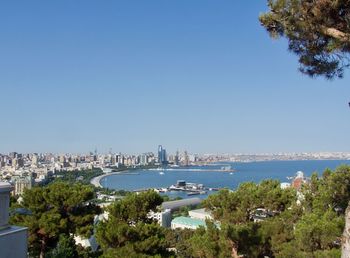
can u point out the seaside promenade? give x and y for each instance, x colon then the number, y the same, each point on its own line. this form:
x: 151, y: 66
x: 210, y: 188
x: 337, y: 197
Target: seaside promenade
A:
x: 96, y: 181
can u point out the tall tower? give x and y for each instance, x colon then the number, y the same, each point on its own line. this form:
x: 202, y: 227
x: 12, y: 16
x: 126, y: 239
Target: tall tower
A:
x: 187, y: 159
x: 160, y: 150
x: 177, y: 159
x: 35, y: 160
x: 162, y: 155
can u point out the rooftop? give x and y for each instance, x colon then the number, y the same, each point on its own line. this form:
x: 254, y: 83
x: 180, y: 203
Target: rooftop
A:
x: 5, y: 187
x: 201, y: 211
x: 186, y: 221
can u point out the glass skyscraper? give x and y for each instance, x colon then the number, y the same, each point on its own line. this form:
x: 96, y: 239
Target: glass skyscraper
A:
x: 162, y: 159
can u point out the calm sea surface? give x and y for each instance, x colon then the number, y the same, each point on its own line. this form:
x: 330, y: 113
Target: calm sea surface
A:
x: 253, y: 171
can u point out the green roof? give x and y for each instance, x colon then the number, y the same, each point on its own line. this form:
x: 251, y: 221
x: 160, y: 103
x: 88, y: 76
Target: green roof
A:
x: 189, y: 221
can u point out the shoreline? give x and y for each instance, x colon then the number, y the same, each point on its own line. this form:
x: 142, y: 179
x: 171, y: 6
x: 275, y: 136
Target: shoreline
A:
x: 193, y: 170
x: 96, y: 181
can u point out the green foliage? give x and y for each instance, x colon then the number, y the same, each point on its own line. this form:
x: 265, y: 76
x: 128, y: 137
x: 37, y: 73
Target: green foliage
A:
x: 128, y: 230
x: 75, y: 176
x: 311, y: 229
x: 236, y: 206
x: 318, y: 32
x: 65, y: 248
x: 329, y: 192
x: 135, y: 207
x: 180, y: 239
x: 13, y: 201
x: 210, y: 242
x: 314, y: 232
x: 183, y: 211
x: 59, y: 208
x: 277, y: 231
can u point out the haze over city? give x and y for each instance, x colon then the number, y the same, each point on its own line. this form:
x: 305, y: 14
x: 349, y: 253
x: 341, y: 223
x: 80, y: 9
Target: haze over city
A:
x: 130, y: 75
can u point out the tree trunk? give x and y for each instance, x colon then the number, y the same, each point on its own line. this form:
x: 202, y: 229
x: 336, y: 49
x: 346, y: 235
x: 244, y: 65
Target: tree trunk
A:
x: 43, y: 248
x: 234, y: 253
x: 345, y: 249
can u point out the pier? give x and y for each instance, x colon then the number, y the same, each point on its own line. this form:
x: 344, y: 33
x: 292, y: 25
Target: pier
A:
x: 183, y: 186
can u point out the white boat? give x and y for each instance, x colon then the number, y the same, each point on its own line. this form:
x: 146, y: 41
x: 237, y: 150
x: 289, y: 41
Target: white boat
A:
x: 161, y: 173
x: 227, y: 169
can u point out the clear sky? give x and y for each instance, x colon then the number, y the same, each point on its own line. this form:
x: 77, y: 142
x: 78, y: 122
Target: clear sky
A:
x: 129, y: 75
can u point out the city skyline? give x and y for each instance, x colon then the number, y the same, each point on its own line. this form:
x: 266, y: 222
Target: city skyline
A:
x: 126, y: 77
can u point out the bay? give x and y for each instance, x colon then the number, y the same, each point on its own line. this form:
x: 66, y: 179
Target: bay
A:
x: 211, y: 177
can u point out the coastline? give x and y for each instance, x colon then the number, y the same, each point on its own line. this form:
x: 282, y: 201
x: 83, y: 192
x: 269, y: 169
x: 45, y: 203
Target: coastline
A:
x: 96, y: 181
x: 193, y: 170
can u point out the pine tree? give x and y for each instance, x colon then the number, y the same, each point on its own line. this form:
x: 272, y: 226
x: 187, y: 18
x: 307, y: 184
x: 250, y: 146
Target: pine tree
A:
x: 318, y: 32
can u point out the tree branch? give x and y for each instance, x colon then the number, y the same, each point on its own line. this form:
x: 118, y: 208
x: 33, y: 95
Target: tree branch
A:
x: 337, y: 34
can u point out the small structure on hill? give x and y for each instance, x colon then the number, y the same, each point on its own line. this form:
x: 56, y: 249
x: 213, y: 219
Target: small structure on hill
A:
x: 299, y: 180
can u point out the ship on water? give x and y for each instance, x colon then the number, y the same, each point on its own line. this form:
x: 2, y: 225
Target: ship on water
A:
x: 227, y: 169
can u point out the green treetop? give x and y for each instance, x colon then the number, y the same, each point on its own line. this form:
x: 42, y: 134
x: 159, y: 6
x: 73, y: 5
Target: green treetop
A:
x: 59, y: 208
x: 129, y: 232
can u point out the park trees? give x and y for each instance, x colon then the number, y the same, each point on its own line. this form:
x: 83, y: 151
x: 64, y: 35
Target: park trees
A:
x: 310, y: 228
x: 59, y: 208
x: 331, y: 191
x: 65, y: 248
x: 129, y: 232
x: 237, y: 206
x: 210, y: 242
x: 318, y: 32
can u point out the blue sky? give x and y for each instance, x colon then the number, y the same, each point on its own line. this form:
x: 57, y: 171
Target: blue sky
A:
x: 129, y: 75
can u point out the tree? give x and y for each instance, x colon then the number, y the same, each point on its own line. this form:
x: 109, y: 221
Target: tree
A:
x: 180, y: 239
x: 65, y: 248
x: 135, y: 207
x: 59, y: 208
x: 276, y: 233
x: 332, y: 191
x: 318, y: 32
x: 316, y: 233
x: 129, y: 232
x: 237, y: 206
x: 210, y: 242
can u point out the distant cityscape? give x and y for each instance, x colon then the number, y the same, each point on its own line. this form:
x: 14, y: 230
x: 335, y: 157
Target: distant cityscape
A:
x: 26, y: 170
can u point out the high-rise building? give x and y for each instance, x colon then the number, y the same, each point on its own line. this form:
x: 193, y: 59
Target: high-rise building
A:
x: 177, y: 158
x: 143, y: 159
x: 35, y: 160
x: 20, y: 162
x: 120, y: 159
x: 13, y: 155
x: 162, y: 159
x: 113, y: 160
x: 186, y: 159
x: 62, y: 159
